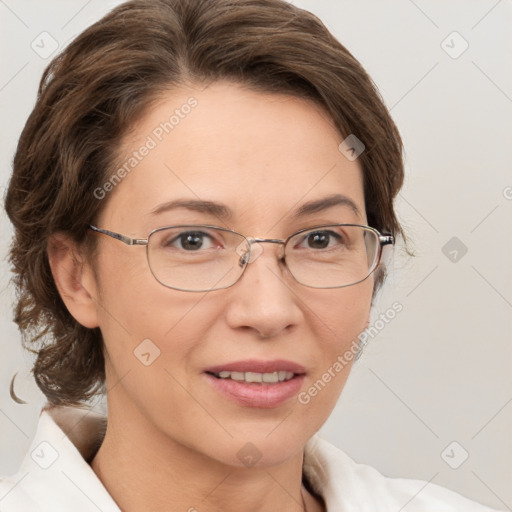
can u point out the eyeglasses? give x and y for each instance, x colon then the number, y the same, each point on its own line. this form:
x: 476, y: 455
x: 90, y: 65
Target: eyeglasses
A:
x: 200, y: 258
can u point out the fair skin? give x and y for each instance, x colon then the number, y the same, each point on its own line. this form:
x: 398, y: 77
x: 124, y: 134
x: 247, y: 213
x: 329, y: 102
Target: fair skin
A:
x: 171, y: 437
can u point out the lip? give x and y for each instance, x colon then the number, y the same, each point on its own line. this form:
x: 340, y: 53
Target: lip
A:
x: 262, y: 395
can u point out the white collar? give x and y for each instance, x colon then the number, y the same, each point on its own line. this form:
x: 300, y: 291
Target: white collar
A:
x: 55, y: 475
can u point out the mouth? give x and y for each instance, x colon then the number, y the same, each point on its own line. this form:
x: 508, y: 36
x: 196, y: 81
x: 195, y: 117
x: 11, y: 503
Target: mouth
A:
x: 260, y: 384
x: 255, y: 377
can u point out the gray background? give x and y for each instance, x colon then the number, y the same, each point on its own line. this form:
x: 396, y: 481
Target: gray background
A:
x: 439, y: 372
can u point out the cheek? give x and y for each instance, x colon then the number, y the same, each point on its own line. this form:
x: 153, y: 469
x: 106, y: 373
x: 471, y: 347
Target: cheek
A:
x: 338, y: 317
x: 134, y: 309
x: 152, y: 336
x: 342, y: 314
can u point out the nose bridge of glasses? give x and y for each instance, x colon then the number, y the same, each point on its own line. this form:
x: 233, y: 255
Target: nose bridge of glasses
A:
x: 256, y: 249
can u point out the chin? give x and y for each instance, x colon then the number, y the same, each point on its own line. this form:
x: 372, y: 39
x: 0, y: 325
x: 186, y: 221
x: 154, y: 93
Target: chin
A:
x: 261, y: 450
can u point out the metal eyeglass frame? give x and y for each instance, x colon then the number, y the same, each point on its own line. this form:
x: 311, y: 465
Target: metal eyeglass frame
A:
x: 384, y: 239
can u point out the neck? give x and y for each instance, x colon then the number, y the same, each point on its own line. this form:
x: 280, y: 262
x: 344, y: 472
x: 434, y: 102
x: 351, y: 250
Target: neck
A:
x: 145, y: 470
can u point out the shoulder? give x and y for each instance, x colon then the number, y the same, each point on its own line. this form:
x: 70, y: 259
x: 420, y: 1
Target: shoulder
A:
x: 347, y: 485
x: 13, y: 497
x: 54, y: 475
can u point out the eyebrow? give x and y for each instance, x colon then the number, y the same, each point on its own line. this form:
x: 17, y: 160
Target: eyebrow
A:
x: 223, y: 212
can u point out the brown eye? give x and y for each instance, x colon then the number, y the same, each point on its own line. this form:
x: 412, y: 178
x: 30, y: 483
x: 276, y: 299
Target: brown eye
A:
x: 325, y: 239
x: 190, y: 241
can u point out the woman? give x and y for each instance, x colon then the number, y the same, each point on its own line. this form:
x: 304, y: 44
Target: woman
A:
x: 201, y: 199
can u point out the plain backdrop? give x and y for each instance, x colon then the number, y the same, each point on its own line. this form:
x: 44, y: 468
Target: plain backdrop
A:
x: 434, y: 385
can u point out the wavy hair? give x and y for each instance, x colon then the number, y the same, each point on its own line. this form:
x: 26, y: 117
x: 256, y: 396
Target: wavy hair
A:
x: 93, y: 92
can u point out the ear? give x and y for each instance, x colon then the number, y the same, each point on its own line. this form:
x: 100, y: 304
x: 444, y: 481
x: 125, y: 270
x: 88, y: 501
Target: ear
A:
x: 74, y: 279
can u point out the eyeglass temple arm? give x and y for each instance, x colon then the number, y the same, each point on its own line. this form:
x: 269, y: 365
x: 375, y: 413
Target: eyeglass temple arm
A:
x: 386, y: 240
x: 125, y: 239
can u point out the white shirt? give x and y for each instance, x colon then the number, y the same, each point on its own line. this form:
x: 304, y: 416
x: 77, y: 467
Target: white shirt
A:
x: 55, y: 475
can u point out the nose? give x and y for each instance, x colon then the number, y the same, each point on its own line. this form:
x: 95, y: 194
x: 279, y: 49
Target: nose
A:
x: 263, y: 300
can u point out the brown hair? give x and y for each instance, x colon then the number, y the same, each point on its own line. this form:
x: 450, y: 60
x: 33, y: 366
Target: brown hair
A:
x: 94, y: 91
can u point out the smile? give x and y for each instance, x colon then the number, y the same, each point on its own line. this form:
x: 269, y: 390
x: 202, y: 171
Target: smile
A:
x: 269, y: 378
x: 256, y: 383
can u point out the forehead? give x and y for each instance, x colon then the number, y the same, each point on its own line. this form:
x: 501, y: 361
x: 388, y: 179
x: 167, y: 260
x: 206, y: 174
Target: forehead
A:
x: 262, y: 155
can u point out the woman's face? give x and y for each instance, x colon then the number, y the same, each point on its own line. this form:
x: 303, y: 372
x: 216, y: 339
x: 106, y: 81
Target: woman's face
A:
x: 262, y: 156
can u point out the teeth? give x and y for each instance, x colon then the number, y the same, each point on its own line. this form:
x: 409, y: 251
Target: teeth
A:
x: 273, y: 377
x: 253, y: 377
